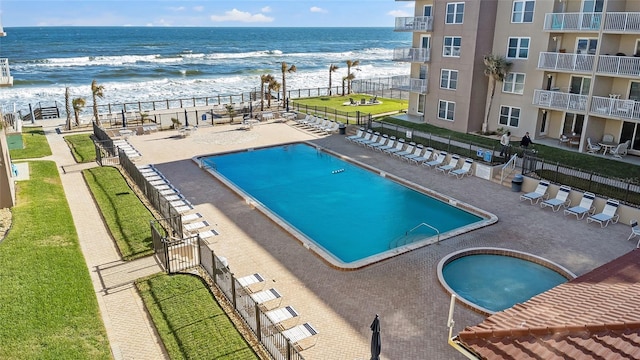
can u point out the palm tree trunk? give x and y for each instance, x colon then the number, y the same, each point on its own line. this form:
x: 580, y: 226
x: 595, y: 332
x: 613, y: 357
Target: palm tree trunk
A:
x: 262, y: 96
x: 485, y: 124
x: 329, y: 82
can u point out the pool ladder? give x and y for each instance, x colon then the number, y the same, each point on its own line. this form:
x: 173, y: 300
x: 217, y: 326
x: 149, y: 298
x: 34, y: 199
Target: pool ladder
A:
x: 397, y: 242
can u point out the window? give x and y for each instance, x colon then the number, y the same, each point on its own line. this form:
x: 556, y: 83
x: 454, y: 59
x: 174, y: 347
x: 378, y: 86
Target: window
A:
x: 446, y: 109
x: 513, y: 83
x: 522, y: 11
x: 509, y: 116
x: 451, y: 46
x: 455, y: 13
x: 634, y: 91
x: 427, y: 10
x: 518, y: 48
x: 448, y: 79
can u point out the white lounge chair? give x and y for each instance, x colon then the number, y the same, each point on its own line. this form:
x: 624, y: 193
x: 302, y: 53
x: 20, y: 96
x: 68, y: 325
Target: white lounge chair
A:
x: 464, y: 170
x: 359, y: 134
x: 207, y: 234
x: 381, y: 141
x: 365, y: 137
x: 438, y: 161
x: 373, y: 139
x: 607, y: 215
x: 585, y: 206
x: 266, y: 296
x: 195, y: 226
x: 191, y: 217
x: 416, y: 153
x: 280, y: 315
x: 399, y: 146
x: 248, y: 282
x: 298, y: 333
x: 635, y: 230
x: 406, y: 151
x: 453, y: 163
x: 426, y: 156
x: 561, y: 199
x: 592, y: 148
x: 539, y: 193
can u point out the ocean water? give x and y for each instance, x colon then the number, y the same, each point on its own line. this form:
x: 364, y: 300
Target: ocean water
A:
x: 151, y: 63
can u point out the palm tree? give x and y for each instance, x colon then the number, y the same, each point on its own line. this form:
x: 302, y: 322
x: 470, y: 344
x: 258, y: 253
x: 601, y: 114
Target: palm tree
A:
x: 264, y: 79
x: 67, y: 106
x: 332, y: 68
x: 78, y: 104
x: 273, y: 85
x: 97, y: 91
x: 285, y: 70
x: 496, y: 68
x: 348, y: 79
x: 351, y: 63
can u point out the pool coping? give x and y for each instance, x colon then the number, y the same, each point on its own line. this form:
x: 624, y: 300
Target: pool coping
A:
x: 566, y: 273
x: 309, y: 244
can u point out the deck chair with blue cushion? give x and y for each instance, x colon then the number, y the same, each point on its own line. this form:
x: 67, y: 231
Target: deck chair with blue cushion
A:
x: 417, y: 152
x: 297, y: 334
x: 453, y: 163
x: 607, y: 215
x: 374, y: 138
x: 381, y: 142
x: 538, y: 194
x: 585, y: 206
x: 426, y: 156
x: 407, y: 151
x: 635, y: 230
x: 359, y: 134
x: 464, y: 170
x: 438, y: 160
x: 561, y: 199
x: 399, y: 146
x: 390, y: 144
x: 366, y: 137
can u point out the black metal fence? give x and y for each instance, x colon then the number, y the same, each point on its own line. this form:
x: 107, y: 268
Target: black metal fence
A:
x: 347, y: 117
x: 625, y: 190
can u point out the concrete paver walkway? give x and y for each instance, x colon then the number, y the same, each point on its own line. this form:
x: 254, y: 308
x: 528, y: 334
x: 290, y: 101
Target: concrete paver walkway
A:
x: 128, y: 327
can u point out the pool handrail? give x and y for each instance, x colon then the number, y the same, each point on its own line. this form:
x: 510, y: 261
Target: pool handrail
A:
x: 414, y: 228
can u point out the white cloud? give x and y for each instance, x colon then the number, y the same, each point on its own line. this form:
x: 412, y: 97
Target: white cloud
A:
x: 266, y: 9
x: 316, y: 9
x: 198, y: 8
x: 399, y: 13
x: 241, y: 16
x: 177, y: 8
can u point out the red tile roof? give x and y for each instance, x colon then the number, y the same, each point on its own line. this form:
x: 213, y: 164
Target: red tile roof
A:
x: 594, y: 316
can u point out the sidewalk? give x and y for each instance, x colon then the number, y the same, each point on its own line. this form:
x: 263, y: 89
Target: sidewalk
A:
x: 127, y: 324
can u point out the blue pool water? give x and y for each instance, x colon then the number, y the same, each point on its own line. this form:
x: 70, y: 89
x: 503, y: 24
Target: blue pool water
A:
x: 348, y: 211
x: 497, y: 282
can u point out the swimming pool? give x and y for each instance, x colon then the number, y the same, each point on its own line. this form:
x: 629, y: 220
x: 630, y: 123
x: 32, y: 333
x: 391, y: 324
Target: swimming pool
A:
x: 493, y: 279
x: 351, y: 216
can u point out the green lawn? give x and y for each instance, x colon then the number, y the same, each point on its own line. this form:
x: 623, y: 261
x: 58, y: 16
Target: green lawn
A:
x: 337, y: 102
x: 191, y: 324
x: 35, y: 145
x: 48, y: 308
x: 125, y: 215
x: 81, y: 147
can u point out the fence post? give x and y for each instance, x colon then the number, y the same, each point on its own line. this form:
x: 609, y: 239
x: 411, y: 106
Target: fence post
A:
x: 233, y: 291
x: 258, y: 329
x: 213, y: 257
x: 590, y: 181
x: 288, y: 349
x: 557, y: 169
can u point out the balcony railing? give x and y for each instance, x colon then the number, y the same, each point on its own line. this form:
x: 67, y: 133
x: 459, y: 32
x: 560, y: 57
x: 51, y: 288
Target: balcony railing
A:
x: 412, y: 54
x: 619, y: 65
x: 622, y: 22
x: 419, y: 23
x: 572, y: 22
x: 5, y: 77
x: 617, y: 108
x: 566, y: 62
x: 560, y: 100
x: 407, y: 83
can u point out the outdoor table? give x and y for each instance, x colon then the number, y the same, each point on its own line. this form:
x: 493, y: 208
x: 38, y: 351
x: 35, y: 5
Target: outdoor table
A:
x: 607, y: 145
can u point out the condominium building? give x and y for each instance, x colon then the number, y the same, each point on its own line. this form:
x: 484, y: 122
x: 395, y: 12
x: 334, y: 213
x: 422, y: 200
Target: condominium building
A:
x: 574, y: 75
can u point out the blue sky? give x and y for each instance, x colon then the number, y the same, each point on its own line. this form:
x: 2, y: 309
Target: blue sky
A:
x: 207, y: 13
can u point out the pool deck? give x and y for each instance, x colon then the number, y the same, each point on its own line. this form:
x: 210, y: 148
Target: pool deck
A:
x: 404, y: 290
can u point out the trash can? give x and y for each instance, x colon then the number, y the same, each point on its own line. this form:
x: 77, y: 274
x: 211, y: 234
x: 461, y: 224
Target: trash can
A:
x: 516, y: 183
x: 342, y: 129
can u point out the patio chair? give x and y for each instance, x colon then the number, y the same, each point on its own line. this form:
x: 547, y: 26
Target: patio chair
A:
x: 399, y: 146
x: 607, y: 215
x: 359, y: 134
x: 207, y: 234
x: 585, y: 206
x: 407, y: 151
x: 195, y: 226
x: 416, y: 153
x: 621, y: 149
x: 191, y: 217
x: 464, y: 170
x: 607, y: 138
x: 265, y: 297
x: 372, y: 140
x: 390, y: 144
x: 383, y: 140
x: 635, y: 230
x: 453, y: 163
x: 367, y: 136
x: 561, y: 199
x: 591, y: 148
x: 248, y: 282
x: 438, y: 161
x: 280, y: 315
x: 428, y: 153
x: 352, y: 102
x: 296, y: 334
x: 540, y: 193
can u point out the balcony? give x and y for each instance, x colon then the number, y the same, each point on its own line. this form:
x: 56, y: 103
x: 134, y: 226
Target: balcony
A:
x: 615, y: 108
x: 622, y: 22
x: 407, y: 83
x: 574, y: 22
x: 5, y: 77
x: 419, y: 23
x: 420, y: 55
x: 574, y: 63
x: 557, y: 100
x: 619, y: 65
